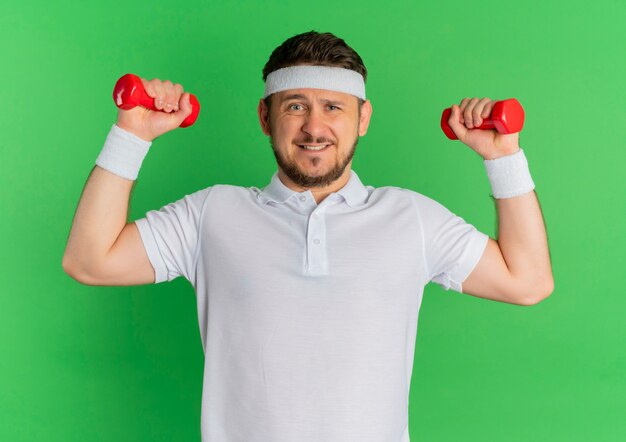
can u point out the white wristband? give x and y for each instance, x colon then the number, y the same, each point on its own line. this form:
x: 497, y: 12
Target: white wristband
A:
x: 509, y: 175
x: 123, y: 153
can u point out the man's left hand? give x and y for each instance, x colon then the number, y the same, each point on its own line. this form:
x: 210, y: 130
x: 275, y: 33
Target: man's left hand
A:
x: 489, y: 144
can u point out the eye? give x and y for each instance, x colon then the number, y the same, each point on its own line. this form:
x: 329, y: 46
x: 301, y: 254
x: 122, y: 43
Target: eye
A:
x: 295, y: 106
x: 332, y: 107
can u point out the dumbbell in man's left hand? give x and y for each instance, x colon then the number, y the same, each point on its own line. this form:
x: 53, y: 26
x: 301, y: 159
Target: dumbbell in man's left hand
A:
x: 489, y: 144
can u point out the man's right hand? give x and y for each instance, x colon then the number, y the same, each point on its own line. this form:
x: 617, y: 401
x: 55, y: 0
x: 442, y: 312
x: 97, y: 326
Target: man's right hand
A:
x: 172, y: 102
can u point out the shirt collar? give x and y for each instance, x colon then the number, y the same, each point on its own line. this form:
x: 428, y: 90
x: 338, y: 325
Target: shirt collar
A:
x: 353, y: 192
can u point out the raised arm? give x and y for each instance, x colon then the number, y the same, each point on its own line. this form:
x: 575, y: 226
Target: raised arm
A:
x: 516, y: 267
x: 103, y: 248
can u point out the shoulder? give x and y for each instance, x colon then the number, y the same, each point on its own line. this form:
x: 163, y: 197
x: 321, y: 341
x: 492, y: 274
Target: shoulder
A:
x: 226, y: 190
x: 230, y: 195
x: 403, y: 194
x: 423, y: 205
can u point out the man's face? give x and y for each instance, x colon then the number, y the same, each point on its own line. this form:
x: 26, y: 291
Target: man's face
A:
x: 300, y: 121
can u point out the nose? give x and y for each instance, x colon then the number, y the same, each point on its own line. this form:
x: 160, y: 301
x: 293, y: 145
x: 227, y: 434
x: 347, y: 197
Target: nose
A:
x: 314, y: 123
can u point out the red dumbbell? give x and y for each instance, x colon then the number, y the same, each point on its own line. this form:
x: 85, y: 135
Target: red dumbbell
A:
x: 129, y: 92
x: 507, y: 117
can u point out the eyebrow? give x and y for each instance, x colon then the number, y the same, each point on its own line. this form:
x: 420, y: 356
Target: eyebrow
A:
x: 302, y: 97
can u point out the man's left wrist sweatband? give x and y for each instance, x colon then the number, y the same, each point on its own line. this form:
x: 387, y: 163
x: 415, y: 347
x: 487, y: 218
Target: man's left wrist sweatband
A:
x: 123, y: 153
x: 509, y: 175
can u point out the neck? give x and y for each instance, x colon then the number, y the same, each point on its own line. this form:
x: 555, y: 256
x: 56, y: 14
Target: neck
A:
x: 319, y: 193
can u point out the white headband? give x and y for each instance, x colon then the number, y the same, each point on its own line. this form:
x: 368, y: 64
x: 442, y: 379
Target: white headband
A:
x: 315, y: 77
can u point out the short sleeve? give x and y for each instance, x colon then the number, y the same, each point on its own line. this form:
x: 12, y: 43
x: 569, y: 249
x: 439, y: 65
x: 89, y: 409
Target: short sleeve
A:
x: 452, y: 247
x: 171, y: 235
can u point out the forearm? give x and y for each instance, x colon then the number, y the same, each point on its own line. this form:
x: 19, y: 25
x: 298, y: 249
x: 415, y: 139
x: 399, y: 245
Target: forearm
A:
x: 100, y: 217
x: 523, y: 241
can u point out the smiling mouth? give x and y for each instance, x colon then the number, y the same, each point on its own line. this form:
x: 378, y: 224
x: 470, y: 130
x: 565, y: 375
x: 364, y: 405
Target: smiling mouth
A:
x: 313, y: 147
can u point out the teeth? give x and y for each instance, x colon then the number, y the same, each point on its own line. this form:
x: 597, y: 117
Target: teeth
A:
x: 311, y: 147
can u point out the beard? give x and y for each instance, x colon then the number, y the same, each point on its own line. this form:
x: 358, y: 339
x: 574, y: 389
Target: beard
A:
x: 295, y: 174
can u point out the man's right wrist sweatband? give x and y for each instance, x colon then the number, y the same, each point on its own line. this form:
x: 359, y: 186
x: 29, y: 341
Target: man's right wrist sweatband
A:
x: 123, y: 153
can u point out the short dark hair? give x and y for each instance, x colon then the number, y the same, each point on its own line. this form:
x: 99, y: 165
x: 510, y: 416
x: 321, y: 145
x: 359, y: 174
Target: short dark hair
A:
x: 314, y: 48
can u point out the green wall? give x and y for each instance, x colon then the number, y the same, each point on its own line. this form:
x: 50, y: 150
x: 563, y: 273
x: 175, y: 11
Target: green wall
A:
x: 125, y: 364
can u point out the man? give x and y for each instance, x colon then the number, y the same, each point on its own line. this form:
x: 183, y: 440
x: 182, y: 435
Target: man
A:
x: 308, y: 290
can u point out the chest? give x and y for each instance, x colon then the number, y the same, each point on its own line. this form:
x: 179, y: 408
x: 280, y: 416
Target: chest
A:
x: 366, y: 244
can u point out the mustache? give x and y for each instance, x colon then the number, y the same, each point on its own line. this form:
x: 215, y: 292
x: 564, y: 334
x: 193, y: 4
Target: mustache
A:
x: 311, y: 140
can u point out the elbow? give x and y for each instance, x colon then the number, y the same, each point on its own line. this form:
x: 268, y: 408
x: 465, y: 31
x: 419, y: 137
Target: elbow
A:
x: 68, y: 267
x: 538, y: 292
x: 76, y: 271
x: 71, y: 269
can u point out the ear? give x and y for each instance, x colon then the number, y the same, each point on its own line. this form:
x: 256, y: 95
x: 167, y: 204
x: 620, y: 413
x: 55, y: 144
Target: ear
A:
x: 262, y: 111
x: 364, y: 121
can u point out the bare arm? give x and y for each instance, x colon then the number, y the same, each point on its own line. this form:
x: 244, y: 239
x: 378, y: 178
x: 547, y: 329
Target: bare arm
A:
x: 103, y: 248
x: 515, y: 268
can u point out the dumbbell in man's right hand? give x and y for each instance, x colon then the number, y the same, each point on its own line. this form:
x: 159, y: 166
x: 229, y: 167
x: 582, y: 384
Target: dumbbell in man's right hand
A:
x: 151, y: 108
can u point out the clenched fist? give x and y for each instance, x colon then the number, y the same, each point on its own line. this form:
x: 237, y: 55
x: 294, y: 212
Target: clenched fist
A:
x: 489, y: 144
x: 173, y: 106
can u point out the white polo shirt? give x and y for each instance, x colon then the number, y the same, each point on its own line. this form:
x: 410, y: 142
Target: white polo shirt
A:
x: 308, y: 312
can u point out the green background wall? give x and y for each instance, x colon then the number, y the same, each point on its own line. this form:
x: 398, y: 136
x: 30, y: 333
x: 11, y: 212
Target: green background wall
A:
x: 125, y: 364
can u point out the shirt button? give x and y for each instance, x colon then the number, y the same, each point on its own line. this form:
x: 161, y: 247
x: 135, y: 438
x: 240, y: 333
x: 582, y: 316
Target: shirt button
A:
x: 303, y: 198
x: 316, y: 241
x: 315, y: 216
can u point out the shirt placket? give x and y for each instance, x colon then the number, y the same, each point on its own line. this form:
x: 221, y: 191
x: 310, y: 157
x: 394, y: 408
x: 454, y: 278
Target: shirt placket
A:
x: 317, y: 258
